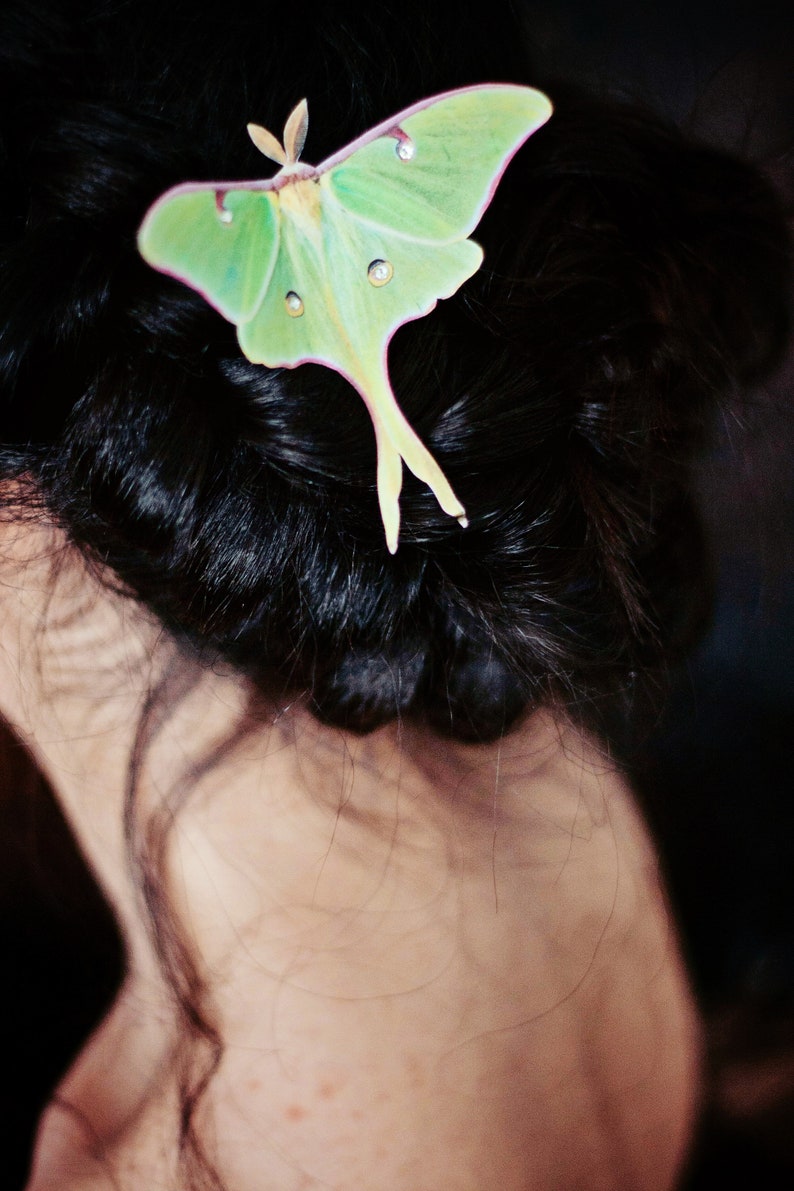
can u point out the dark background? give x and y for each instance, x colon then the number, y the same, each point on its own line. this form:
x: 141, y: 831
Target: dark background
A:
x: 714, y: 775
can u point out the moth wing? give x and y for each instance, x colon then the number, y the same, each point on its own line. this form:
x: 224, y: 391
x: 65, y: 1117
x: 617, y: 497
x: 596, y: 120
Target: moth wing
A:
x: 223, y: 240
x: 328, y: 302
x: 348, y: 314
x: 431, y: 170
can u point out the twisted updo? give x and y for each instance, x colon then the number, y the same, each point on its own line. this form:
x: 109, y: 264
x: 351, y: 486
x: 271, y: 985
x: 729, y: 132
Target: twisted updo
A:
x: 632, y: 282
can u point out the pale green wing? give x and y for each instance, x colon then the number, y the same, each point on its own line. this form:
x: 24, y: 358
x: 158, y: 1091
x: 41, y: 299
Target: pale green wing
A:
x: 328, y: 302
x: 431, y: 172
x: 407, y: 194
x: 347, y: 314
x: 224, y: 243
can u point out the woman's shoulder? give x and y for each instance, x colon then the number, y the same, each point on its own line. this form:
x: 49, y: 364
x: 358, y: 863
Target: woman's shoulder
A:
x: 431, y: 965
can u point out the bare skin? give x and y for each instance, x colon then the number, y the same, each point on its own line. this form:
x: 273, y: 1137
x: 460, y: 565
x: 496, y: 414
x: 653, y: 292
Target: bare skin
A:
x: 432, y: 966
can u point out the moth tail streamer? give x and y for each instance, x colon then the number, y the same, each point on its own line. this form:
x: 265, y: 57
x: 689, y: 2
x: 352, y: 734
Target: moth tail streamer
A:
x: 390, y: 482
x: 398, y: 442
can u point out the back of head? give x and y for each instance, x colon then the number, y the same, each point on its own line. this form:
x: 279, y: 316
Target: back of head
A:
x: 632, y: 282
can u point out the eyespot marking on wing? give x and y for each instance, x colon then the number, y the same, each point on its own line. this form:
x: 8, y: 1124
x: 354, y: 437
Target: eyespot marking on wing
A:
x: 380, y: 273
x: 294, y: 304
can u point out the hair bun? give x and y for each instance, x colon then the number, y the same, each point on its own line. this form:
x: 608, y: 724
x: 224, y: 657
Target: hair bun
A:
x: 631, y: 281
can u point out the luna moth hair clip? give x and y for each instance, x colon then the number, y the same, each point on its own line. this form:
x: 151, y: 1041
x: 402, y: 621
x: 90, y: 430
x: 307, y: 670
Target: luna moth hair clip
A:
x: 323, y: 263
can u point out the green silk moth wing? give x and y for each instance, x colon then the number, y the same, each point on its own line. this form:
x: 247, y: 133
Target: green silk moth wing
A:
x: 324, y: 263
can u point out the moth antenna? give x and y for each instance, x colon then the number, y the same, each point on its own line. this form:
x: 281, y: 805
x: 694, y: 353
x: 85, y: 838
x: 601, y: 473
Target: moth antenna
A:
x: 295, y: 130
x: 266, y: 143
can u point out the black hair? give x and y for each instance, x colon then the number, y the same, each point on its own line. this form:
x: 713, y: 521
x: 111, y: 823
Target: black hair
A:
x: 631, y: 282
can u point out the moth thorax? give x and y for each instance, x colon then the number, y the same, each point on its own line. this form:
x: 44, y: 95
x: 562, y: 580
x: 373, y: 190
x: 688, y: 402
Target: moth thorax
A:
x: 301, y: 200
